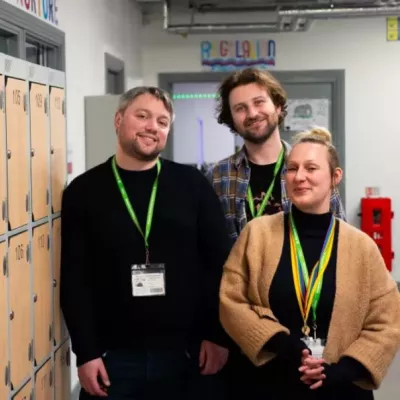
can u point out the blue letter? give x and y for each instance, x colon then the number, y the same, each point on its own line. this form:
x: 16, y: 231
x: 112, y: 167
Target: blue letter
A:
x: 271, y: 49
x: 45, y: 9
x: 205, y: 50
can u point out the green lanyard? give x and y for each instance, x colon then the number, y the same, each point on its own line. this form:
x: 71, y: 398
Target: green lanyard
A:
x: 268, y: 195
x: 132, y: 213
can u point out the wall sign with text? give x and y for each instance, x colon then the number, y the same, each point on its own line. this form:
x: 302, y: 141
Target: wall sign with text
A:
x: 228, y: 55
x: 43, y: 9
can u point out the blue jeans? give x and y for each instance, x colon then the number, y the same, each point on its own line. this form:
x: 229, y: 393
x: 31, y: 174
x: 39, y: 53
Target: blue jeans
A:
x: 158, y: 375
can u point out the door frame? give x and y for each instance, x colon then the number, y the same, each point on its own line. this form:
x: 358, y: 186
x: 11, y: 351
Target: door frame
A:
x: 334, y: 77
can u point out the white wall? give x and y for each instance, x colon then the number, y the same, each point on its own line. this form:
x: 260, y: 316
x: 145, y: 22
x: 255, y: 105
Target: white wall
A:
x: 93, y: 27
x: 372, y: 85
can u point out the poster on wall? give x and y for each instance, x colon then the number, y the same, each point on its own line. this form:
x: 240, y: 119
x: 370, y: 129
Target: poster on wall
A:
x: 303, y: 114
x: 230, y: 55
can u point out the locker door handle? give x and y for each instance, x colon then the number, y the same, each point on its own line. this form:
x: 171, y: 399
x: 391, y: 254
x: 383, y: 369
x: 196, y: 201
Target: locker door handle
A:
x: 32, y: 152
x: 52, y: 150
x: 30, y: 351
x: 5, y: 272
x: 27, y: 202
x: 12, y: 315
x: 9, y: 154
x: 6, y: 375
x: 50, y: 332
x: 3, y: 210
x: 35, y: 298
x: 54, y: 283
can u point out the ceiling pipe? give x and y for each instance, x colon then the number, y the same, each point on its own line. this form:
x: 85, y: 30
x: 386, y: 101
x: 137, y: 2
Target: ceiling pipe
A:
x: 342, y: 12
x: 219, y: 27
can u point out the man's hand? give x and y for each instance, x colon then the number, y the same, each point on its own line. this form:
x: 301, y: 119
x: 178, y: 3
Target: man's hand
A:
x: 212, y: 358
x: 312, y: 370
x: 88, y: 377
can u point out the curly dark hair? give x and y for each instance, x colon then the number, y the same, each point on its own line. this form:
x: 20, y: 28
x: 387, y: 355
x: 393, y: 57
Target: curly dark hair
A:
x: 245, y: 77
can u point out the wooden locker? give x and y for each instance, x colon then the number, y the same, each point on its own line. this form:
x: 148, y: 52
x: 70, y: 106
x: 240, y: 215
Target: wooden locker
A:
x: 17, y: 153
x: 42, y: 283
x: 58, y: 146
x: 25, y: 393
x: 60, y: 330
x: 62, y: 373
x: 3, y: 152
x: 3, y: 322
x: 20, y: 308
x: 39, y: 151
x: 44, y: 382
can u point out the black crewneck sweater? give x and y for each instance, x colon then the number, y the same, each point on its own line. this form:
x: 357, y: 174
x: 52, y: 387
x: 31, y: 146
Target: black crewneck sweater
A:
x: 312, y: 230
x: 100, y: 242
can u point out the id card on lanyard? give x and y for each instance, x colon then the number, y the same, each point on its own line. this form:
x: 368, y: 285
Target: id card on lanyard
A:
x: 147, y: 279
x: 308, y: 287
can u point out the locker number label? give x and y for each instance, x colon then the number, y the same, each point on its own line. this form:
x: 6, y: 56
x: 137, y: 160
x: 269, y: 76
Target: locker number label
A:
x: 17, y: 97
x: 19, y: 252
x: 39, y: 100
x: 41, y: 241
x: 57, y: 103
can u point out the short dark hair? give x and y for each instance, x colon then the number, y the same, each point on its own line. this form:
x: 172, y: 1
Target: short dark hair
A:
x: 129, y: 96
x: 245, y: 77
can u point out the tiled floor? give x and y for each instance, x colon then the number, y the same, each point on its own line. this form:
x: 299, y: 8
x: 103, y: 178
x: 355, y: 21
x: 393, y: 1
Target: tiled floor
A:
x: 390, y: 389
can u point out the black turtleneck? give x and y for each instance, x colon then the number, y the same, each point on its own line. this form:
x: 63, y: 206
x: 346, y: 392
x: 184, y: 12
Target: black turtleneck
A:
x: 312, y: 229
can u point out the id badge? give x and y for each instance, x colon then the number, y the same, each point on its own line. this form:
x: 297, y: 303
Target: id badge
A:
x: 317, y: 348
x: 148, y: 280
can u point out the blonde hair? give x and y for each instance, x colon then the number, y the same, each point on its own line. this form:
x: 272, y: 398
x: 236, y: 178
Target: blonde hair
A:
x: 321, y: 136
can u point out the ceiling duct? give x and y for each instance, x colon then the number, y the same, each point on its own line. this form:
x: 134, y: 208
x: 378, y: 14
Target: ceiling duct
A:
x: 290, y: 24
x: 359, y: 12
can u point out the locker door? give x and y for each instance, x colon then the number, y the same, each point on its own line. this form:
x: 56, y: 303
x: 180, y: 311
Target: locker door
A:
x: 24, y: 393
x: 58, y: 151
x: 2, y: 155
x: 39, y: 151
x: 60, y: 331
x: 20, y: 306
x: 62, y: 373
x: 17, y: 143
x: 3, y: 322
x: 42, y: 291
x: 44, y: 383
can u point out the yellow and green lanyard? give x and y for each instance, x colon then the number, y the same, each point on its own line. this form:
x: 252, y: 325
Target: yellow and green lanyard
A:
x: 308, y: 288
x: 150, y: 212
x: 268, y: 194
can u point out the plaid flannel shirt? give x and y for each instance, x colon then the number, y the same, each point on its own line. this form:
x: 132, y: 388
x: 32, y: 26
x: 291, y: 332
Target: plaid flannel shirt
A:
x: 230, y: 178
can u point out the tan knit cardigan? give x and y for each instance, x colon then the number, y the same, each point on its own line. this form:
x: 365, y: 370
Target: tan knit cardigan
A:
x: 365, y: 320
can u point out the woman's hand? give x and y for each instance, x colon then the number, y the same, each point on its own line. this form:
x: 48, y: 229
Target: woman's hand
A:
x: 312, y: 369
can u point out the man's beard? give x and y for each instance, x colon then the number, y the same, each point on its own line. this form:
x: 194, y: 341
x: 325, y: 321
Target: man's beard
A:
x: 132, y: 149
x: 272, y: 124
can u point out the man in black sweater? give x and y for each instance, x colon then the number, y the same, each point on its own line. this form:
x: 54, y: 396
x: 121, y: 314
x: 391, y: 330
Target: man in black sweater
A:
x: 143, y: 247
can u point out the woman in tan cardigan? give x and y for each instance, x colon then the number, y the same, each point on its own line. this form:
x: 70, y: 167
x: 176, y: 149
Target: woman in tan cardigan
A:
x: 306, y: 296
